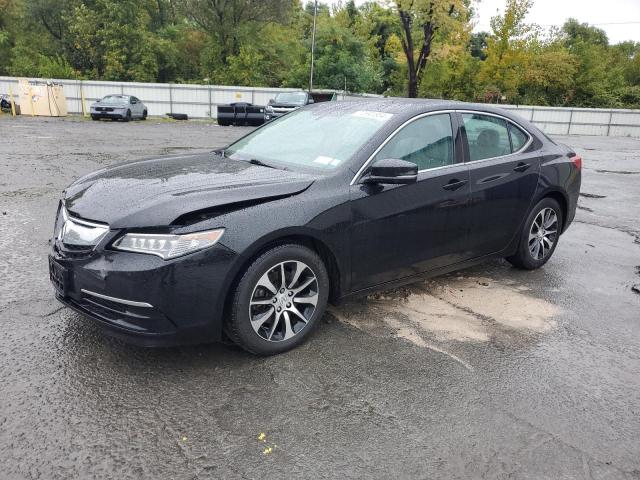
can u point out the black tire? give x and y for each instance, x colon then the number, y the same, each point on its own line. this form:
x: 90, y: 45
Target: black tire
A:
x: 524, y: 257
x: 239, y: 327
x: 95, y: 117
x: 127, y: 117
x: 144, y: 115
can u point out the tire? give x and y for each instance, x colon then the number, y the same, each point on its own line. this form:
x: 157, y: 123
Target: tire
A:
x: 144, y: 115
x: 278, y: 323
x: 95, y: 117
x: 548, y: 214
x: 127, y: 117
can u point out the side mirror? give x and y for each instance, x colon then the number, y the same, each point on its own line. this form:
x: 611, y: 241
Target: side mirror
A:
x: 392, y: 171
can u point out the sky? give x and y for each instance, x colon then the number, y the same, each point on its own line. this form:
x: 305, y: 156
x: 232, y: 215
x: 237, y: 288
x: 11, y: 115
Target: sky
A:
x: 619, y: 18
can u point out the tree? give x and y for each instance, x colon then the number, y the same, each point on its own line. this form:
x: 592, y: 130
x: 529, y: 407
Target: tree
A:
x: 421, y: 20
x: 597, y: 81
x: 379, y: 27
x: 228, y: 21
x: 508, y: 51
x: 478, y: 45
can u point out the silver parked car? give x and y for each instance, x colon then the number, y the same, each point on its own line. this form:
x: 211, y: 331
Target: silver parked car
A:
x: 124, y: 107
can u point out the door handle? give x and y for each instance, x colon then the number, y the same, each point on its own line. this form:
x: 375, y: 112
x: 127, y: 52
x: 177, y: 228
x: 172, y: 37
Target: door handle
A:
x: 454, y: 184
x: 521, y: 167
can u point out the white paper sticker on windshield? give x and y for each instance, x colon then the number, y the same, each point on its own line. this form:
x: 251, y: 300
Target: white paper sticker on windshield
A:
x: 381, y: 116
x: 324, y: 160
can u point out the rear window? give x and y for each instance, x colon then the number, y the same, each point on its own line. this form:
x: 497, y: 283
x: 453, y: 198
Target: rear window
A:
x: 487, y: 136
x: 518, y: 138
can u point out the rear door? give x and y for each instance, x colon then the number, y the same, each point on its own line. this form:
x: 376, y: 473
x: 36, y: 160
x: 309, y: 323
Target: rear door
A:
x: 503, y: 174
x: 402, y: 230
x: 136, y: 108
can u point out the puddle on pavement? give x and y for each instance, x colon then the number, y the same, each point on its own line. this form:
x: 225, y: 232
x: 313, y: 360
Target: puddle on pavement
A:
x: 451, y: 309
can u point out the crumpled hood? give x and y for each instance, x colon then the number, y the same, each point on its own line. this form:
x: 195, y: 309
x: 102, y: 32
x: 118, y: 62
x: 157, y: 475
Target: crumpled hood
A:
x: 156, y: 192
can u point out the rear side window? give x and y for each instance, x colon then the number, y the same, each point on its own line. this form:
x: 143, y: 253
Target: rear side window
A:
x: 427, y: 142
x: 518, y: 138
x: 487, y: 136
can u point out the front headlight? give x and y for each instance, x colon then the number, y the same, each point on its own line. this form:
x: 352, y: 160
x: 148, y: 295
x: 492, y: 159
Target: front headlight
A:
x: 77, y: 232
x: 168, y: 246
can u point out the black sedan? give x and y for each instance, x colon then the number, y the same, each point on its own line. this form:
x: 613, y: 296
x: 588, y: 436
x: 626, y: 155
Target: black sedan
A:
x: 333, y: 200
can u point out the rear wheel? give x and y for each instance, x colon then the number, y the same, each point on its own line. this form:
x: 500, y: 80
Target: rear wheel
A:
x: 539, y: 236
x: 127, y: 116
x: 279, y: 300
x: 144, y: 115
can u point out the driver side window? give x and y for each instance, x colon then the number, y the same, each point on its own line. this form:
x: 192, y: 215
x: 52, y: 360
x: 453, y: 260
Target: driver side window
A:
x: 427, y: 142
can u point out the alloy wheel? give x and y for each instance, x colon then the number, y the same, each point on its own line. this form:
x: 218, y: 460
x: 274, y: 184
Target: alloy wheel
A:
x: 543, y: 233
x: 283, y: 301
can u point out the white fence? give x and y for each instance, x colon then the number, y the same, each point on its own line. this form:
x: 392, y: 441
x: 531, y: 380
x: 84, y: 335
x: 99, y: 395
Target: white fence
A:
x: 197, y: 101
x: 200, y: 101
x: 581, y: 121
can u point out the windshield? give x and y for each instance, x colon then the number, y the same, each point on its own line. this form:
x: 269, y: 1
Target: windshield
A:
x: 310, y: 138
x: 299, y: 98
x: 115, y: 99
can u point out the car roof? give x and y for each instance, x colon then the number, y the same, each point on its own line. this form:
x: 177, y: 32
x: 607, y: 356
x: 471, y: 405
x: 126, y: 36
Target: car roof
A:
x: 406, y: 108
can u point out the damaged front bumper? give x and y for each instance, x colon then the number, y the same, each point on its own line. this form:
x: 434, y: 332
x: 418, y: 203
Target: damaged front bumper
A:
x: 143, y: 299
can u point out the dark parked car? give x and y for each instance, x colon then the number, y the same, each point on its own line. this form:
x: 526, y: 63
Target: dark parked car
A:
x: 287, y: 102
x: 333, y: 200
x: 119, y: 107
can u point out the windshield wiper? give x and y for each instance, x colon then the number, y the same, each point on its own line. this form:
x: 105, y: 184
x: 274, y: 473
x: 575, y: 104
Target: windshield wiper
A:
x: 255, y: 161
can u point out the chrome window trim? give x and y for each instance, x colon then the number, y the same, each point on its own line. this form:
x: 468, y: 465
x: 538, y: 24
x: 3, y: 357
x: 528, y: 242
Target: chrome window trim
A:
x: 361, y: 170
x: 131, y: 303
x: 508, y: 120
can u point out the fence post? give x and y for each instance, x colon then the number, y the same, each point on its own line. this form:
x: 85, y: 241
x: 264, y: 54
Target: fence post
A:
x: 170, y: 99
x: 13, y: 104
x: 609, y: 124
x: 570, y: 120
x: 210, y: 106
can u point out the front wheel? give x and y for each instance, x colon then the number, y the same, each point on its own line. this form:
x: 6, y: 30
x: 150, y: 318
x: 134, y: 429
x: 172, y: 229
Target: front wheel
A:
x: 539, y: 236
x: 144, y: 115
x: 127, y: 117
x: 279, y: 300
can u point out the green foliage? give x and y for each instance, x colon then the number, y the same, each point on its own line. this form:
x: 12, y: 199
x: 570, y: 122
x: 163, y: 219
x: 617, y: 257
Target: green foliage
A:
x: 424, y: 47
x: 341, y: 58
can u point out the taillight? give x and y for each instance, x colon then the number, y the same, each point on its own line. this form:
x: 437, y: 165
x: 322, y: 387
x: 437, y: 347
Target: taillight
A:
x: 577, y: 161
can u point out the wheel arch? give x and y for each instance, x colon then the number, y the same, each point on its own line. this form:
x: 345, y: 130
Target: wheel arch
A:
x: 298, y: 237
x: 563, y: 201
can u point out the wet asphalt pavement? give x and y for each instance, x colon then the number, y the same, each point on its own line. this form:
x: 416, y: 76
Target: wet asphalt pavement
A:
x: 491, y: 372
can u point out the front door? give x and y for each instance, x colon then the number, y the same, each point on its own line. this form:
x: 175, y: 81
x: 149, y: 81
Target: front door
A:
x: 403, y: 230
